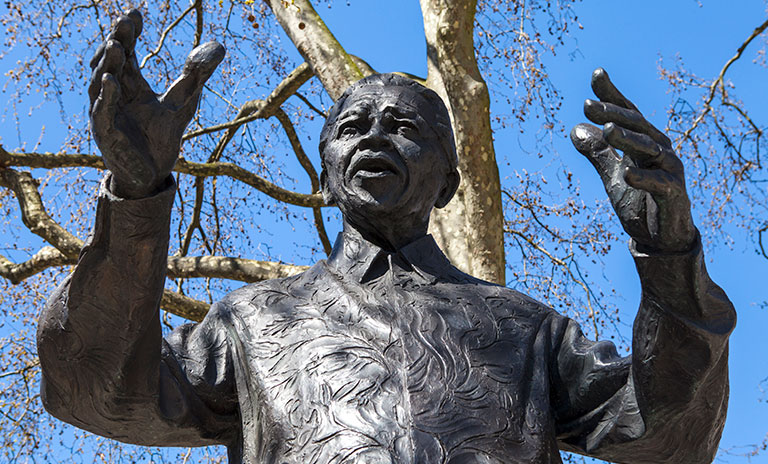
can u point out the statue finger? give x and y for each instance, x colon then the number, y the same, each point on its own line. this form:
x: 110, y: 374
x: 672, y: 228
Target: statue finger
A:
x: 607, y: 92
x: 111, y: 62
x: 105, y: 107
x: 124, y: 31
x: 99, y: 53
x: 603, y: 112
x: 640, y: 147
x: 589, y: 141
x: 138, y: 21
x: 657, y: 182
x: 184, y: 93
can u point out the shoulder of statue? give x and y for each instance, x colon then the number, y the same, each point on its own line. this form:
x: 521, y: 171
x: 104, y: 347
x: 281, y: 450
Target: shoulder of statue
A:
x: 505, y: 302
x: 266, y: 296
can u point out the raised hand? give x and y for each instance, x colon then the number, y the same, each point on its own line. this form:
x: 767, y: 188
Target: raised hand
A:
x: 139, y: 132
x: 646, y: 186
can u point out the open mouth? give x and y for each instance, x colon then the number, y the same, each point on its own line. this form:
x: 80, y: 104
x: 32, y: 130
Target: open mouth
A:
x: 373, y: 165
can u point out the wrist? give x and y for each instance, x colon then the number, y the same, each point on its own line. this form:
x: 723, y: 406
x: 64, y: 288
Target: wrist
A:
x: 681, y: 245
x: 135, y: 192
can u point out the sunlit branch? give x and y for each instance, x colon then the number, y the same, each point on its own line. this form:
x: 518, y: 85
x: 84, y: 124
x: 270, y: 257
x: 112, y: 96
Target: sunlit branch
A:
x: 258, y: 109
x: 221, y: 267
x: 165, y: 33
x: 328, y: 59
x: 63, y: 160
x: 184, y: 306
x: 285, y: 121
x: 71, y: 10
x: 244, y: 270
x: 45, y: 258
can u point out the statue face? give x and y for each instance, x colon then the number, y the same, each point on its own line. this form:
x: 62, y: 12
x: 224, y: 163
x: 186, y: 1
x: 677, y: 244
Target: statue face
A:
x: 382, y: 157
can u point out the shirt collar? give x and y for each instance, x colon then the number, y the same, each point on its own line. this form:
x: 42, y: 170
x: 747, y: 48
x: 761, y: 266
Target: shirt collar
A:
x: 353, y: 257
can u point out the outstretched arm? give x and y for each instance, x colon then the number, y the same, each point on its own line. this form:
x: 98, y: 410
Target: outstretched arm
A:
x: 105, y: 365
x: 667, y: 402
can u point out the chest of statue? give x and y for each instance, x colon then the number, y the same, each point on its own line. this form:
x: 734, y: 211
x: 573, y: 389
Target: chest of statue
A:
x: 394, y: 372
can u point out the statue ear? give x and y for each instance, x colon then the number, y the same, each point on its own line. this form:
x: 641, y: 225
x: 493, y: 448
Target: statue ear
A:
x: 449, y: 189
x: 324, y: 190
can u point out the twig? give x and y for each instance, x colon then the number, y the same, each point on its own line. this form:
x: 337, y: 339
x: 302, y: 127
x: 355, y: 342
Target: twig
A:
x: 563, y: 265
x: 311, y: 106
x: 285, y: 121
x: 719, y: 82
x: 198, y: 4
x: 164, y: 35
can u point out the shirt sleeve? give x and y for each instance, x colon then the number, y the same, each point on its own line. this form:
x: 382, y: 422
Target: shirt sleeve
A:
x: 667, y: 401
x: 105, y: 365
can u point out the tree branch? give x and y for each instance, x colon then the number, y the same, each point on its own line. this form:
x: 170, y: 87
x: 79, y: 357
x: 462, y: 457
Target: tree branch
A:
x: 285, y: 121
x: 243, y: 270
x: 64, y: 160
x: 247, y: 177
x: 719, y: 82
x: 184, y: 306
x: 217, y: 267
x: 165, y: 33
x: 330, y: 62
x: 46, y: 258
x: 311, y: 106
x: 258, y: 109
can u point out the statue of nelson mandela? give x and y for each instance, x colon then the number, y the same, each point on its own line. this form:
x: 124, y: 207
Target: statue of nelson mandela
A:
x: 384, y: 352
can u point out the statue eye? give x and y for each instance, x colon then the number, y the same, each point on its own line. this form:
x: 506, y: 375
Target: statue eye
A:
x: 404, y: 127
x: 350, y: 129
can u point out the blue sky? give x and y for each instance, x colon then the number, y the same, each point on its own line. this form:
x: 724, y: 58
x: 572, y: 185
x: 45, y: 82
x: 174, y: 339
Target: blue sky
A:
x: 628, y: 39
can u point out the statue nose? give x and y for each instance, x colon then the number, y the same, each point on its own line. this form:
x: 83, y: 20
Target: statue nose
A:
x: 375, y: 138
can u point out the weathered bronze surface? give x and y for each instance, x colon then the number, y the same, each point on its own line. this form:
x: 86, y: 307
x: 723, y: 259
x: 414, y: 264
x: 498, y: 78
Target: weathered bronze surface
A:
x: 384, y: 352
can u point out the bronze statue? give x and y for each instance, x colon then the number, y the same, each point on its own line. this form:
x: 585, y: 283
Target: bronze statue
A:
x: 384, y: 352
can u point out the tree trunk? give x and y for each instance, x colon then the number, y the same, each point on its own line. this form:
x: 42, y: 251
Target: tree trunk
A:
x: 470, y: 228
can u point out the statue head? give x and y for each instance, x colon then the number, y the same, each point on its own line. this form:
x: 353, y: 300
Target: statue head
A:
x: 388, y: 154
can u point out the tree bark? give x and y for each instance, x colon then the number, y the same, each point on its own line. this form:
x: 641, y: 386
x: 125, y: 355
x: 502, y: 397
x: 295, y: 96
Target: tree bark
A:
x: 335, y: 68
x: 470, y: 228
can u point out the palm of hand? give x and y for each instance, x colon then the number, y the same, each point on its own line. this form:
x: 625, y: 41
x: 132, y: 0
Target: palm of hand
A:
x: 138, y: 132
x: 646, y: 186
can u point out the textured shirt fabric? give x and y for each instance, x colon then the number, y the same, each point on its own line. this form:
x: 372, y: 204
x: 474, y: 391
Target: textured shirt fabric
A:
x: 379, y: 357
